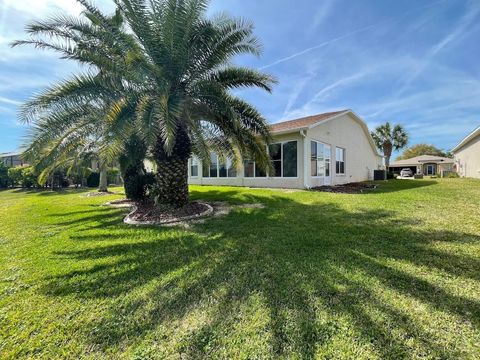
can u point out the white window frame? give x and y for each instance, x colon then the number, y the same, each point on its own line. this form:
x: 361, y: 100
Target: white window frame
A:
x: 324, y: 159
x: 343, y: 160
x: 194, y: 162
x: 254, y: 171
x: 227, y: 162
x: 281, y: 160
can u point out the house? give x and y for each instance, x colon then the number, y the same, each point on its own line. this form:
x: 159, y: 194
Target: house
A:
x: 467, y: 155
x: 423, y: 164
x: 12, y: 159
x: 326, y: 149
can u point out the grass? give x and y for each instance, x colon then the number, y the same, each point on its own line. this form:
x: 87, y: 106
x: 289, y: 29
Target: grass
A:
x: 391, y: 274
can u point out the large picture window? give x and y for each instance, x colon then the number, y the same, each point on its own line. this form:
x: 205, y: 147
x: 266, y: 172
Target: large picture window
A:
x: 340, y: 161
x: 218, y: 168
x: 284, y: 159
x: 317, y: 159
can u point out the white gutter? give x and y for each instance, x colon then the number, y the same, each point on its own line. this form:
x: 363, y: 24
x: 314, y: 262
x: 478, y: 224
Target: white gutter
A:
x: 305, y: 159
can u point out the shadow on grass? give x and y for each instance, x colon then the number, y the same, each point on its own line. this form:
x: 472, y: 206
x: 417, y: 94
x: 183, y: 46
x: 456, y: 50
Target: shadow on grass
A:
x: 302, y: 261
x: 400, y: 185
x: 48, y: 191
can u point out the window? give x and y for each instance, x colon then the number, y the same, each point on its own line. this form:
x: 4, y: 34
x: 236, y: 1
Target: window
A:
x: 284, y: 159
x: 290, y: 159
x: 213, y: 171
x: 224, y: 169
x: 194, y: 167
x: 231, y: 169
x: 275, y: 151
x: 317, y: 159
x: 340, y: 161
x: 252, y: 171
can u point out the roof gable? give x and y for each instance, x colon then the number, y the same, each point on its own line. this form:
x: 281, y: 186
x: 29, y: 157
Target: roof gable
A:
x: 315, y: 120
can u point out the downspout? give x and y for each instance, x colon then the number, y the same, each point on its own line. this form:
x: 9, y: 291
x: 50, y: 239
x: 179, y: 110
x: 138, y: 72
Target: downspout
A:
x: 306, y: 184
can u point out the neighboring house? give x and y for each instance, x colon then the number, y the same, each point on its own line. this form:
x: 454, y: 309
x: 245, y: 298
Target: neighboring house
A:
x: 467, y: 155
x: 423, y: 164
x: 12, y: 159
x: 326, y: 149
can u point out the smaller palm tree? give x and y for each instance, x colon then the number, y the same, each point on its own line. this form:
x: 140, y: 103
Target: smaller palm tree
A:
x: 389, y: 138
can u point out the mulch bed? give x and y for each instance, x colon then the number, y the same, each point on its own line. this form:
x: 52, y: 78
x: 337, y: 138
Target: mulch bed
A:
x: 350, y: 188
x: 148, y: 212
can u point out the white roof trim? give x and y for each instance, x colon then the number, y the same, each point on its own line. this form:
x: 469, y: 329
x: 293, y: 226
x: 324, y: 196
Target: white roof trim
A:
x: 467, y: 139
x: 289, y: 131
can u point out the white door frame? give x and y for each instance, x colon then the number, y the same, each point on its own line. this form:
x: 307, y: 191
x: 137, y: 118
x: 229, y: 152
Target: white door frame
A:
x: 431, y: 166
x: 327, y: 165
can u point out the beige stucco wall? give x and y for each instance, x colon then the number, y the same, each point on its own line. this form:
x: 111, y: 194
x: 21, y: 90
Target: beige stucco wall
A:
x: 346, y: 132
x: 467, y: 159
x: 360, y: 158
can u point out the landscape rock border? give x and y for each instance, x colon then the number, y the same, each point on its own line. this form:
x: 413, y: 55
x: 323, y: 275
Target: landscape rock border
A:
x: 134, y: 208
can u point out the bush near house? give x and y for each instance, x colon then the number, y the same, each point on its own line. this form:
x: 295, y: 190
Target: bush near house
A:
x: 113, y: 175
x: 452, y: 175
x: 15, y: 175
x: 4, y: 179
x: 29, y: 177
x: 93, y: 180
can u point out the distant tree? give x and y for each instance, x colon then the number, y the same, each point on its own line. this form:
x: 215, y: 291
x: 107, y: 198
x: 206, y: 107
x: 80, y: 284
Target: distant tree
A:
x: 388, y: 138
x: 421, y: 149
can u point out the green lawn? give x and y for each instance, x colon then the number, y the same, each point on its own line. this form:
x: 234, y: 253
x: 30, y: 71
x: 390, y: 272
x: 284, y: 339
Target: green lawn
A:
x: 391, y: 274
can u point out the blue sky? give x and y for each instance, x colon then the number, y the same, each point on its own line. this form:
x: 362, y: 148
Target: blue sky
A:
x: 413, y: 62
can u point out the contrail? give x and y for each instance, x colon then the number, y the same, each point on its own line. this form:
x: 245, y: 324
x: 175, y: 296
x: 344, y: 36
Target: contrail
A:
x: 362, y: 29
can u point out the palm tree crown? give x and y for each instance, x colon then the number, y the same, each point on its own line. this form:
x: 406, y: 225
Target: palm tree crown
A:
x: 162, y: 70
x: 389, y: 138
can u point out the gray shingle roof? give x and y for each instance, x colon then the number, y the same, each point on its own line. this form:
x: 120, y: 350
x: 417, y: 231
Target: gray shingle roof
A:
x: 422, y: 159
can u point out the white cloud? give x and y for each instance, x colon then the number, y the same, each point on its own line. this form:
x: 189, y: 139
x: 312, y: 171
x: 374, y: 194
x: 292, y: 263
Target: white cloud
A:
x: 348, y: 34
x: 296, y: 91
x: 322, y: 12
x: 457, y: 32
x: 9, y: 101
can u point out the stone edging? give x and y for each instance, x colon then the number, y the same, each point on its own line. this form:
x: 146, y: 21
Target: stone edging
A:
x: 128, y: 219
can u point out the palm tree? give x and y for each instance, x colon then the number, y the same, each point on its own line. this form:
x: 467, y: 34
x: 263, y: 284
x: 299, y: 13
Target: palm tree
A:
x: 388, y: 139
x: 67, y: 139
x: 164, y: 72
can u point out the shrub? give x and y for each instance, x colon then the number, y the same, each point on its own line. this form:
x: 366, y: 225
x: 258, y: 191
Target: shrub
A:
x: 4, y: 179
x: 137, y: 185
x: 29, y: 177
x: 79, y: 175
x: 452, y: 175
x: 15, y: 175
x: 391, y: 175
x: 93, y: 180
x: 112, y: 175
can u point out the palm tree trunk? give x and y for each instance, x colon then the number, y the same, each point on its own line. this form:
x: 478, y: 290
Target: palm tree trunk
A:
x: 171, y: 180
x: 387, y: 152
x: 103, y: 186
